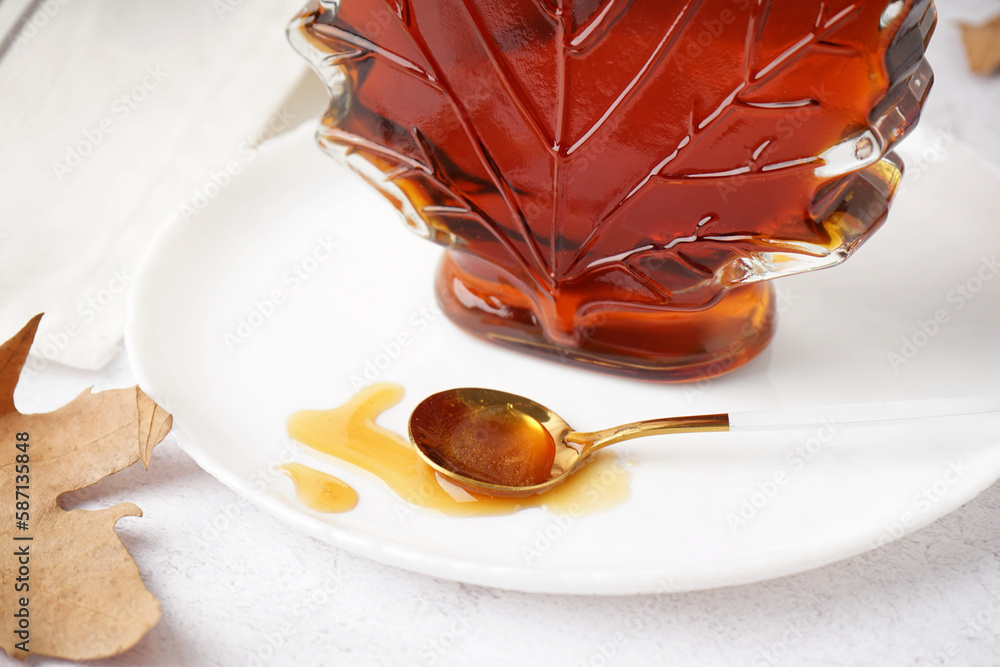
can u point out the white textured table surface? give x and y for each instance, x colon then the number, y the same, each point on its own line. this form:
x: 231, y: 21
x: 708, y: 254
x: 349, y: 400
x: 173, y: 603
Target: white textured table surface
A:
x: 239, y: 588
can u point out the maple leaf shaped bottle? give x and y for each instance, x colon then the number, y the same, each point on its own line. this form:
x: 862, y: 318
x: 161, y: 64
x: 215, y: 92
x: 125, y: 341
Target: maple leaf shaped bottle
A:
x: 616, y: 180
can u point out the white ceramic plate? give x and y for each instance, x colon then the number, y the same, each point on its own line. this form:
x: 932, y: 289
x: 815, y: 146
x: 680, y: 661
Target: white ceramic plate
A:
x: 297, y: 278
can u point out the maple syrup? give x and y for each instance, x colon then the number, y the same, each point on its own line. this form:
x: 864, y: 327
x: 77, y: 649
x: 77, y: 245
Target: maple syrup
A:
x: 614, y: 179
x: 319, y: 491
x: 496, y: 444
x: 350, y: 434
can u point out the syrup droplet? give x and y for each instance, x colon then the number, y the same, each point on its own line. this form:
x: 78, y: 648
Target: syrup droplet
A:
x: 319, y: 491
x: 350, y: 435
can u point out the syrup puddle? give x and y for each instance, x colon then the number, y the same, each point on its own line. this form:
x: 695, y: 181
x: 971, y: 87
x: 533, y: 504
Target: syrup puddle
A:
x: 349, y: 434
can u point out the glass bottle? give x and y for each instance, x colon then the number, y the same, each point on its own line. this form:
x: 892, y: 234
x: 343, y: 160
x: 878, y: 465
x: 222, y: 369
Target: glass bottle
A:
x: 617, y: 181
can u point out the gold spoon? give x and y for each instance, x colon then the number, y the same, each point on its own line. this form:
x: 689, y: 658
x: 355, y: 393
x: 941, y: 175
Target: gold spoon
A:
x: 506, y: 445
x: 500, y: 444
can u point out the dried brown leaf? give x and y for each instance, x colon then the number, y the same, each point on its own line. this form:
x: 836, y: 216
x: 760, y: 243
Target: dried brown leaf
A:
x: 84, y: 596
x: 982, y: 44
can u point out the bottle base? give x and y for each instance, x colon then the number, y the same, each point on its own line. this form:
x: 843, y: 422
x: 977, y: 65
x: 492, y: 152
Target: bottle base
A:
x: 657, y: 345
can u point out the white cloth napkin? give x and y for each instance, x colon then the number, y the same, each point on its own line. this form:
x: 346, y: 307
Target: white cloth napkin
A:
x: 115, y: 116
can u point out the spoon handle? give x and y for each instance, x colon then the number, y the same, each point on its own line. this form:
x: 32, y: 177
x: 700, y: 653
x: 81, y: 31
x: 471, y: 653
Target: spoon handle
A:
x: 794, y: 418
x: 864, y: 413
x: 591, y: 442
